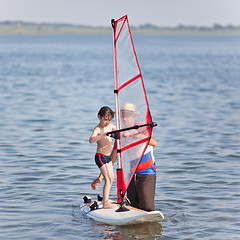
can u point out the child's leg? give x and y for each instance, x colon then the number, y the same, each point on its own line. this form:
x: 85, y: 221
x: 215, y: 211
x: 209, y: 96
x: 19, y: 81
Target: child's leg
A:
x: 99, y: 179
x: 107, y: 172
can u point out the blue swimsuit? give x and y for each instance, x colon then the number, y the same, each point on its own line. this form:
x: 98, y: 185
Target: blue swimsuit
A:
x: 101, y: 159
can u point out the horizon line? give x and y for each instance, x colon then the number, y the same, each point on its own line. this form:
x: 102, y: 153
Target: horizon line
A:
x: 133, y: 26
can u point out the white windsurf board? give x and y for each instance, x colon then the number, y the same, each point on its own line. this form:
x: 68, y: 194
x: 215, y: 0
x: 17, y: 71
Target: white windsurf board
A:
x: 111, y: 217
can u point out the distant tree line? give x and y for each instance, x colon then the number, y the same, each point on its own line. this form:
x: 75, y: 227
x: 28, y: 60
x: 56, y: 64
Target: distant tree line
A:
x: 144, y: 26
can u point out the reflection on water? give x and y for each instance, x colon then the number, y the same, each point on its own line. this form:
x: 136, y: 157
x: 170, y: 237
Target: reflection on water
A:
x: 139, y: 231
x: 142, y: 231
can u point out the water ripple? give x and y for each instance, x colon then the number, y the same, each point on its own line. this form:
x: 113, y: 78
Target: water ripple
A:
x: 51, y: 88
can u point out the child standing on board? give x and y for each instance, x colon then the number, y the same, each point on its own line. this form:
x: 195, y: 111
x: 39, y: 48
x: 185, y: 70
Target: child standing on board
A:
x: 104, y: 146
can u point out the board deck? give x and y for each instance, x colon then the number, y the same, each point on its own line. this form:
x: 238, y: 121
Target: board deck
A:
x: 111, y: 217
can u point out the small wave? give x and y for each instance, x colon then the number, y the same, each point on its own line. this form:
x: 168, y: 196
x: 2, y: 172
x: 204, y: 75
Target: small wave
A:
x: 37, y: 120
x: 233, y: 156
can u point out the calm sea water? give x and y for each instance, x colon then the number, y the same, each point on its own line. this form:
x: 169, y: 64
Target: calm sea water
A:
x: 51, y: 88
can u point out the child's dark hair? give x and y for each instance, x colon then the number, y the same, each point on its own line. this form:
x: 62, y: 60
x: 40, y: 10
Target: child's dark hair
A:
x: 106, y: 112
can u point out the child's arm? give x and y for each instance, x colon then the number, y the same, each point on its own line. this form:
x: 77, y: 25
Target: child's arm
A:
x: 96, y: 135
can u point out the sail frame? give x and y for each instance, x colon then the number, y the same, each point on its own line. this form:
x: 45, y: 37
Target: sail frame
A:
x: 128, y: 76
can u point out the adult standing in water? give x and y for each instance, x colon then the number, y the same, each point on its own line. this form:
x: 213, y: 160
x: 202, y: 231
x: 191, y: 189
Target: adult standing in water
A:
x: 141, y: 190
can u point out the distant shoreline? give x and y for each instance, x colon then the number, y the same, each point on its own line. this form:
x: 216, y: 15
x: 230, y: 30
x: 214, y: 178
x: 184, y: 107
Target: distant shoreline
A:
x: 24, y: 28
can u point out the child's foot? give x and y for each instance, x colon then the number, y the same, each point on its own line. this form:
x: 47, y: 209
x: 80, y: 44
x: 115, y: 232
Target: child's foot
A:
x: 95, y: 183
x: 109, y: 205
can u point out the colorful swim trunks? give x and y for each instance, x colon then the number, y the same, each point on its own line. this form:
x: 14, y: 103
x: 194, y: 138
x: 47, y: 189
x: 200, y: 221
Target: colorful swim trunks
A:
x: 101, y: 159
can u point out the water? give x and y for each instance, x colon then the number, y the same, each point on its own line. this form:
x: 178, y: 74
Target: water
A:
x: 51, y: 88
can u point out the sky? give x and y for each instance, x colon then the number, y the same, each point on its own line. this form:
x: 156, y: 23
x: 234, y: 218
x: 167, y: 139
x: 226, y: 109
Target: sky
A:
x: 162, y: 13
